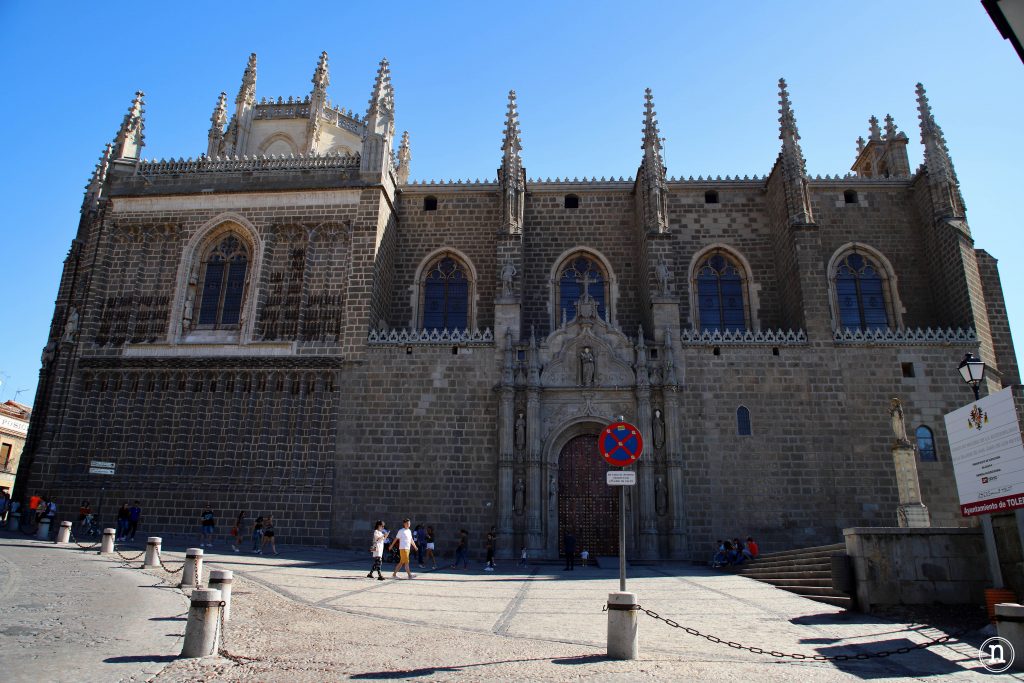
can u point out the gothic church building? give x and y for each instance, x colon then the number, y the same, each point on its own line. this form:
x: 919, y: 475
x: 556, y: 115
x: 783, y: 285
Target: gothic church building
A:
x: 286, y: 325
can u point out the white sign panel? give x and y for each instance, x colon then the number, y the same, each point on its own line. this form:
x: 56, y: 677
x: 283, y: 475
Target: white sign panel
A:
x: 988, y: 456
x: 621, y: 478
x: 100, y: 470
x: 101, y: 467
x: 19, y: 427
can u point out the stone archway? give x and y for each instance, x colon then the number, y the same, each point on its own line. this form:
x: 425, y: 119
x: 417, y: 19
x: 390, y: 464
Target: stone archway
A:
x: 586, y: 504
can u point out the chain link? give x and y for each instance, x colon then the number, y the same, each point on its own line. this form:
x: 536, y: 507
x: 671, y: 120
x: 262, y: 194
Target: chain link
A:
x: 942, y: 640
x: 126, y: 559
x: 160, y: 559
x: 71, y: 537
x: 222, y: 634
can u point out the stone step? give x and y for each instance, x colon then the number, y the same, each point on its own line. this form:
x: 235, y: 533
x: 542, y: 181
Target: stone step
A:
x: 814, y: 591
x: 824, y: 563
x: 817, y: 551
x: 816, y: 582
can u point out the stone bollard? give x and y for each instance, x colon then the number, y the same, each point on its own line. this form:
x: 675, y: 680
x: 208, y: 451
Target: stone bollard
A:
x: 1010, y: 624
x: 192, y: 575
x: 107, y: 547
x: 43, y: 532
x: 64, y: 534
x: 221, y: 579
x: 622, y: 626
x: 152, y: 552
x: 14, y: 521
x: 202, y: 631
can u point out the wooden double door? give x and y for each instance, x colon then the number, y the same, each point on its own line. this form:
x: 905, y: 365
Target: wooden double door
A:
x: 586, y: 504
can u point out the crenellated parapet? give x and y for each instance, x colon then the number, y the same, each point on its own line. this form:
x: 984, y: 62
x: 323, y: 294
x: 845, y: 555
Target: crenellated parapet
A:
x: 430, y: 337
x: 692, y: 337
x: 898, y: 337
x: 300, y: 162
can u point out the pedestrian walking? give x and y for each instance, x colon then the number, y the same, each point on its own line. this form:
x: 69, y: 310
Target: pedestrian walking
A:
x: 570, y: 551
x: 405, y: 543
x: 492, y: 539
x: 522, y: 557
x: 430, y: 547
x: 268, y: 533
x: 5, y: 504
x: 236, y: 532
x: 257, y: 535
x: 380, y: 537
x: 461, y: 549
x: 123, y: 515
x: 85, y: 516
x: 134, y: 515
x: 208, y: 524
x: 421, y: 541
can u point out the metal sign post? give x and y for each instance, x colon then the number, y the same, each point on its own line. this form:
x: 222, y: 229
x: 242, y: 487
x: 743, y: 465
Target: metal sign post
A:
x: 621, y: 444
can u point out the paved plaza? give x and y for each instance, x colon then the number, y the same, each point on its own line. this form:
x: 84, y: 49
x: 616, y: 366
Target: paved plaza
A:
x: 312, y: 615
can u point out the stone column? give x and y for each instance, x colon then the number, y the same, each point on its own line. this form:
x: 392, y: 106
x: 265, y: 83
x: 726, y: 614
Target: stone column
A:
x: 535, y: 473
x: 506, y: 446
x: 644, y: 499
x: 678, y: 542
x: 911, y: 511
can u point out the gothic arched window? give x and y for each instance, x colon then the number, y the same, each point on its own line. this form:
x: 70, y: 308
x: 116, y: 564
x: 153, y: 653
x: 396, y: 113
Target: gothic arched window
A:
x: 578, y: 272
x: 224, y: 269
x: 721, y: 299
x: 446, y: 295
x: 925, y: 444
x: 860, y: 288
x: 743, y: 421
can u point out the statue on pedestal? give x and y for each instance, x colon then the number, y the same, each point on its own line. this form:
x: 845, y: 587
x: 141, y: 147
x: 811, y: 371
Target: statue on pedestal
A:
x: 899, y: 428
x: 587, y: 366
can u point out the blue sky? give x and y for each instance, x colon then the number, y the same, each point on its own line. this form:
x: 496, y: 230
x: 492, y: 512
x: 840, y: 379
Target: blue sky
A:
x: 69, y: 71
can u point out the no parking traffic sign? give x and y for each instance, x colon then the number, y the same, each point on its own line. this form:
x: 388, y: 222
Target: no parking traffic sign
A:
x: 620, y: 444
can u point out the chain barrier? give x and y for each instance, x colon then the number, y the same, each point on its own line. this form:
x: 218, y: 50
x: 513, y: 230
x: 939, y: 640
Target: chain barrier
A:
x: 160, y: 559
x: 221, y: 636
x: 71, y: 537
x: 797, y: 656
x: 126, y: 559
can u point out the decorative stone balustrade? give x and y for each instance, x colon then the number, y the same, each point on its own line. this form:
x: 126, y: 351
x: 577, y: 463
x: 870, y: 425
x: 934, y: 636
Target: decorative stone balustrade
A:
x: 743, y: 337
x: 299, y: 162
x: 907, y: 335
x: 430, y: 337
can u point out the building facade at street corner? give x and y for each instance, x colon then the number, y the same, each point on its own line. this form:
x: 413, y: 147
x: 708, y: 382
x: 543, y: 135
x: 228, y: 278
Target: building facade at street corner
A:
x: 14, y: 421
x: 288, y: 325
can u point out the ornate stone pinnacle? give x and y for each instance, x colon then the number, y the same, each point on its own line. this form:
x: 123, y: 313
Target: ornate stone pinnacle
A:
x: 404, y: 156
x: 651, y: 133
x: 511, y: 143
x: 382, y: 95
x: 130, y: 139
x: 220, y: 113
x: 874, y: 132
x: 247, y: 91
x: 860, y: 144
x: 322, y: 76
x: 890, y: 127
x: 787, y: 120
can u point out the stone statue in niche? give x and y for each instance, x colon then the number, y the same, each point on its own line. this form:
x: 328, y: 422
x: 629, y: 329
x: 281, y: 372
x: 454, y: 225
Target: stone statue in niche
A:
x: 664, y: 277
x: 517, y: 499
x: 587, y: 366
x: 899, y: 428
x: 71, y: 327
x: 660, y: 496
x: 49, y: 352
x: 520, y: 442
x: 508, y: 273
x: 658, y: 428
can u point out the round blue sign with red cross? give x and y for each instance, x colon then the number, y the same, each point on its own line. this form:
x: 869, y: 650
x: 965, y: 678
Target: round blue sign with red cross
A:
x: 620, y: 444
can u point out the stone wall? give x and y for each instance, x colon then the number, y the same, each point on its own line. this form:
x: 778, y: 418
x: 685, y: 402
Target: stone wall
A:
x: 917, y: 566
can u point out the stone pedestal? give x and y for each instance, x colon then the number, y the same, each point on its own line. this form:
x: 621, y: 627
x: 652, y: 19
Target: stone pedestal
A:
x: 507, y: 317
x: 202, y: 631
x: 664, y: 316
x: 64, y: 533
x: 153, y: 544
x: 914, y: 516
x: 43, y: 532
x: 911, y: 512
x: 623, y: 632
x: 1010, y: 624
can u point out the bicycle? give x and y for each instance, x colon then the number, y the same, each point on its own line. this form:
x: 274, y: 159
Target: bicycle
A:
x: 89, y: 527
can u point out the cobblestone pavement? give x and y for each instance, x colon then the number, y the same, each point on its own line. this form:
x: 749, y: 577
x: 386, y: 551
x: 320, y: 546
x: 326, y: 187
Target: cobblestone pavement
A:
x: 312, y: 615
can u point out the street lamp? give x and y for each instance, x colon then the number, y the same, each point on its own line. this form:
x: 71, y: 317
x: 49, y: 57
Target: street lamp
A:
x: 972, y: 369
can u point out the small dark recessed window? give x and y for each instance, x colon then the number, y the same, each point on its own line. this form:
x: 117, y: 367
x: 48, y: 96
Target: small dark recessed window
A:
x: 572, y: 201
x: 430, y: 203
x: 455, y: 350
x: 717, y: 351
x: 908, y: 369
x: 850, y: 196
x: 711, y: 197
x: 743, y: 421
x: 775, y: 350
x: 926, y: 444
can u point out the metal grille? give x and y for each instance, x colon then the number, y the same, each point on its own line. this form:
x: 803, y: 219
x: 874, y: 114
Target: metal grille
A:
x: 586, y: 504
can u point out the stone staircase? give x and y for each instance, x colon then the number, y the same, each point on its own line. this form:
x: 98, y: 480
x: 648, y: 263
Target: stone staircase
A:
x: 806, y: 572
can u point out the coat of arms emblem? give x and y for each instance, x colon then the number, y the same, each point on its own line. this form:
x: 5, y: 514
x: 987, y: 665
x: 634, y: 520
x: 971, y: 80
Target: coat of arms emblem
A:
x: 978, y: 417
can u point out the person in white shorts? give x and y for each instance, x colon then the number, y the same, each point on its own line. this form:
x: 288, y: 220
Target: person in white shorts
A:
x: 405, y: 543
x: 430, y: 547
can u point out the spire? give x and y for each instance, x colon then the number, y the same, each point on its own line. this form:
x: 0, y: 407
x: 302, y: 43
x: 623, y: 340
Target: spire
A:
x: 890, y: 128
x: 129, y: 141
x: 404, y: 156
x: 245, y: 103
x: 380, y: 114
x: 99, y: 176
x: 794, y: 168
x: 215, y: 144
x: 875, y: 133
x: 860, y: 144
x: 317, y: 103
x: 652, y: 182
x: 511, y: 175
x: 936, y: 157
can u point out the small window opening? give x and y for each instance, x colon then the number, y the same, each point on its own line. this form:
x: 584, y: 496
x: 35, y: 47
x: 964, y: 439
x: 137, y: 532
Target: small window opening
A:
x: 430, y: 203
x: 711, y: 197
x: 717, y: 351
x: 908, y: 369
x: 455, y: 350
x: 775, y: 350
x: 654, y: 354
x: 850, y: 196
x: 743, y: 421
x: 520, y: 354
x: 926, y: 444
x: 408, y: 350
x: 572, y: 201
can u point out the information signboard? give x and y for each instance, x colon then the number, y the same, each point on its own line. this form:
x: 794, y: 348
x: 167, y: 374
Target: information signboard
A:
x: 621, y: 478
x: 988, y: 455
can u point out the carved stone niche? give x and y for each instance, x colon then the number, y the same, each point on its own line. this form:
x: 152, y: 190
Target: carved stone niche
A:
x: 587, y: 354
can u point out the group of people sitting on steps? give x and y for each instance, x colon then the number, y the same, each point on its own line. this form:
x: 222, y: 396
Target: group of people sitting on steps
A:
x: 732, y: 553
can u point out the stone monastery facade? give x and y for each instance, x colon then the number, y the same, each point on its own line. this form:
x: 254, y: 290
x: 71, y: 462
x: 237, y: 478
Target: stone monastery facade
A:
x: 286, y: 325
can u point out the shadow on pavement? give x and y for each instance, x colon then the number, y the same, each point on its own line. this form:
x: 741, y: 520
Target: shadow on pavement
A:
x: 140, y: 658
x: 428, y: 671
x: 925, y: 663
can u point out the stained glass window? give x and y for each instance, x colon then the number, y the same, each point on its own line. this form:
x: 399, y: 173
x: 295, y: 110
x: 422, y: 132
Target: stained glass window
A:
x: 860, y: 294
x: 446, y: 296
x: 720, y: 295
x: 224, y: 283
x: 577, y: 271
